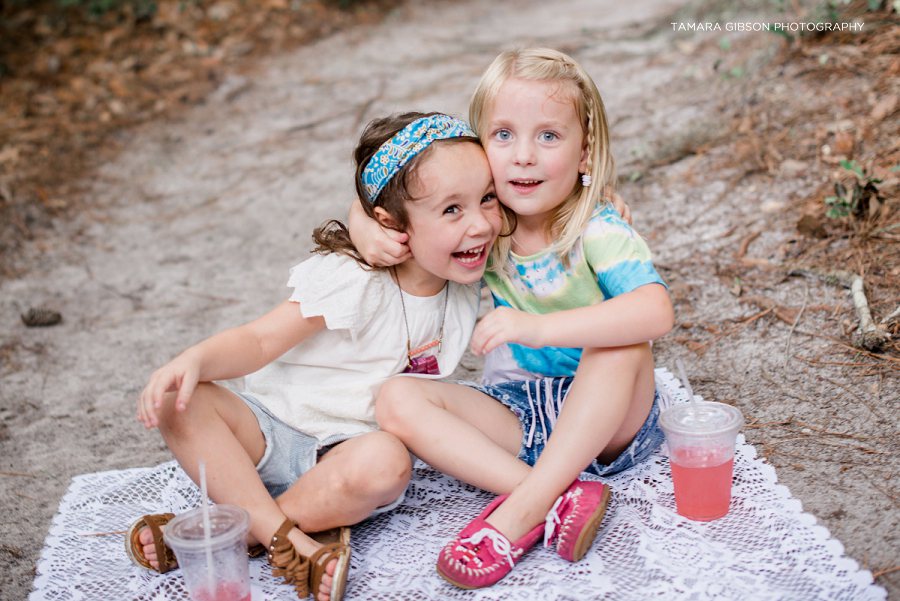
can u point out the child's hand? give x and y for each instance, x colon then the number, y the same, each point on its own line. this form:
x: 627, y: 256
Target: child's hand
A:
x: 618, y: 204
x: 181, y: 375
x: 386, y: 247
x: 378, y: 245
x: 506, y: 325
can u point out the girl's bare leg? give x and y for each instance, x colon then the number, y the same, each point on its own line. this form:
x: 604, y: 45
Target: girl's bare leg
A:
x: 456, y: 429
x: 349, y: 482
x: 606, y: 405
x: 218, y: 427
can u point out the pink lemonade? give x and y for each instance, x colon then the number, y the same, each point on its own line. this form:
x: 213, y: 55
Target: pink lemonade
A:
x: 225, y: 591
x: 702, y: 491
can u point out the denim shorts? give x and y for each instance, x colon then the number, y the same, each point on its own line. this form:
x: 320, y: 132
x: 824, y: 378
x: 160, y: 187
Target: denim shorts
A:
x: 537, y: 404
x: 290, y: 453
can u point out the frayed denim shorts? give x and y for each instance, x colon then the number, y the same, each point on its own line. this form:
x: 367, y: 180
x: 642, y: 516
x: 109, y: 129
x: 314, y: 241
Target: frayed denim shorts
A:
x: 290, y: 453
x: 537, y: 404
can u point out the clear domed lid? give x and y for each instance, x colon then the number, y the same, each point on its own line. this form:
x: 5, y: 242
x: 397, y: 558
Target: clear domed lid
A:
x: 703, y: 418
x: 227, y: 523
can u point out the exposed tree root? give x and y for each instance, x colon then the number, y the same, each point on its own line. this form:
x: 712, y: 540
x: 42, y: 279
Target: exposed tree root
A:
x: 872, y: 337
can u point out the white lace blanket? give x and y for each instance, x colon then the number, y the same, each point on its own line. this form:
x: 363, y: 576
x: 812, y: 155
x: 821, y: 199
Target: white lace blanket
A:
x: 766, y: 548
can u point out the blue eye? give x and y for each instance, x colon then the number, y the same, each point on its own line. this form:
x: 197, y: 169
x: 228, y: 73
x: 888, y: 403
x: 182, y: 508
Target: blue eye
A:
x: 548, y: 136
x: 503, y: 135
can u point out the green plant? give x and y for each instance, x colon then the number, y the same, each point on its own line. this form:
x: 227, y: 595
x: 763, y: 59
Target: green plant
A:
x: 94, y: 7
x: 779, y: 31
x: 140, y: 8
x: 856, y: 200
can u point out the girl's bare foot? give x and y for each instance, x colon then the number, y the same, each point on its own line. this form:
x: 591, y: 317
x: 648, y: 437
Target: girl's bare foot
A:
x: 307, y: 547
x: 146, y: 538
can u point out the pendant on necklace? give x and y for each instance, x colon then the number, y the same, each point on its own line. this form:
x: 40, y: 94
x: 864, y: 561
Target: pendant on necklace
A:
x: 423, y: 365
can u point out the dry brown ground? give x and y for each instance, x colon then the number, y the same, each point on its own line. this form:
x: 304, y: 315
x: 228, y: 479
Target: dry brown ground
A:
x: 70, y: 80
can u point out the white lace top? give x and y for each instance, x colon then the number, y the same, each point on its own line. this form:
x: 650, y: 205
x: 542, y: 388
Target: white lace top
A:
x: 326, y: 386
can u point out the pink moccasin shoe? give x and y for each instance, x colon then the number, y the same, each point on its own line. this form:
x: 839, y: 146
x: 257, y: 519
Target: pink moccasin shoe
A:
x: 480, y: 555
x: 576, y: 517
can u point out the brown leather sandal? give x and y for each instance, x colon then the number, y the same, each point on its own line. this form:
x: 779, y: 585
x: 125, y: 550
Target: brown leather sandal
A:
x: 135, y: 549
x: 306, y: 574
x: 288, y: 563
x: 338, y: 550
x: 256, y: 550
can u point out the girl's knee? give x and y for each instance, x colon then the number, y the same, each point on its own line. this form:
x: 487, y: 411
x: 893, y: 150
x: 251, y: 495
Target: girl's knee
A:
x: 380, y: 468
x: 394, y: 402
x: 173, y: 422
x: 169, y: 417
x: 388, y: 458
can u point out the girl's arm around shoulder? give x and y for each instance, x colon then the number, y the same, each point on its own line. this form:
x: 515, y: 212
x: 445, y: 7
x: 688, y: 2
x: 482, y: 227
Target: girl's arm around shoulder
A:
x: 229, y: 354
x: 643, y: 314
x: 379, y: 246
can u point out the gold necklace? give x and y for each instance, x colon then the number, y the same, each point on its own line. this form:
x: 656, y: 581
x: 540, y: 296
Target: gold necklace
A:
x: 422, y: 365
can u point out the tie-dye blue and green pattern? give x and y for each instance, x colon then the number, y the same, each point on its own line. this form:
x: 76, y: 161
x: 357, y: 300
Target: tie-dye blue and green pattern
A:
x: 611, y: 259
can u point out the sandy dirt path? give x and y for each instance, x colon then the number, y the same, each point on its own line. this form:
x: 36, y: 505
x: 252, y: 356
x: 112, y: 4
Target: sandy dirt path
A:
x: 198, y: 221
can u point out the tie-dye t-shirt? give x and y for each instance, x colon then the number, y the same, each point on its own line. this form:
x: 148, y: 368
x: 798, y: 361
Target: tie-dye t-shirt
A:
x: 610, y: 259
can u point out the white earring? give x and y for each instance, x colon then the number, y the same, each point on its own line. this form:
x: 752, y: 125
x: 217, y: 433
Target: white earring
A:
x: 585, y: 180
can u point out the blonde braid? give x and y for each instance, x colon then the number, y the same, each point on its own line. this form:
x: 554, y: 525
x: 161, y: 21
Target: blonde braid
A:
x: 589, y: 143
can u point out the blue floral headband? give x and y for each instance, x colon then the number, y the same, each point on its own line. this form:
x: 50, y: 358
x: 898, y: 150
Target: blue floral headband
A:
x: 407, y: 143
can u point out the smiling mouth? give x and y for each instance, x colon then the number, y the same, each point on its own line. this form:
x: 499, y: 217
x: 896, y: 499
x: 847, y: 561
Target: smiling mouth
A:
x: 525, y: 184
x: 471, y: 256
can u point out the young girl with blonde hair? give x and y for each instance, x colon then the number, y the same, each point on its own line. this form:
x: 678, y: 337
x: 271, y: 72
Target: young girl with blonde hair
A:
x: 577, y: 302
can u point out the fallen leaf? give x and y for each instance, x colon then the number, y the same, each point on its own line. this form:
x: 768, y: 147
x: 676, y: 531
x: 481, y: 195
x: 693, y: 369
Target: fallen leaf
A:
x: 64, y: 47
x: 894, y: 69
x: 761, y: 263
x: 842, y: 125
x: 686, y: 47
x: 786, y: 314
x: 843, y: 143
x: 9, y: 153
x: 811, y: 227
x: 119, y: 87
x: 793, y: 166
x: 884, y: 107
x: 220, y: 11
x: 680, y: 291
